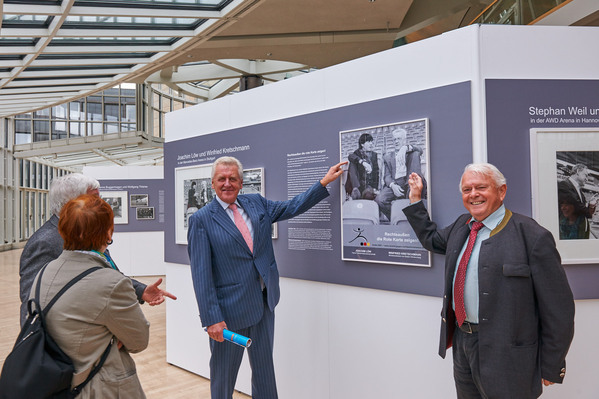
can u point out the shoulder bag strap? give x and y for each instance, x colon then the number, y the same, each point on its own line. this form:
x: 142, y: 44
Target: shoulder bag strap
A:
x: 76, y: 390
x: 65, y: 288
x: 35, y: 299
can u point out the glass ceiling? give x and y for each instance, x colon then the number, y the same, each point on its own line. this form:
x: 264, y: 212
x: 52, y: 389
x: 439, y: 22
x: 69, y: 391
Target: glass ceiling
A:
x: 117, y: 40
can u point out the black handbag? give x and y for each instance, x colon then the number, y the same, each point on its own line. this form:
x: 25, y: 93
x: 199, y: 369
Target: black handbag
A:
x: 37, y: 368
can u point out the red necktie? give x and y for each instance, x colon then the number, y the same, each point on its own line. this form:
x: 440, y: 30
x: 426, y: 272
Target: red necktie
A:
x: 243, y: 228
x: 460, y: 278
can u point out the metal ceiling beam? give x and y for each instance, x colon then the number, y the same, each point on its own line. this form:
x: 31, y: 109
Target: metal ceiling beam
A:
x: 222, y: 88
x: 56, y: 82
x: 34, y: 96
x: 193, y: 73
x: 109, y: 157
x: 194, y: 91
x: 223, y: 69
x: 40, y: 9
x: 70, y: 62
x: 45, y: 161
x: 144, y: 12
x: 72, y: 72
x: 64, y: 88
x: 84, y: 144
x: 125, y: 32
x: 302, y: 38
x: 117, y: 47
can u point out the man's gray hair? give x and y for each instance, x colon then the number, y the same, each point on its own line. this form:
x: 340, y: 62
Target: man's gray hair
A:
x: 228, y: 161
x: 65, y: 188
x: 484, y: 169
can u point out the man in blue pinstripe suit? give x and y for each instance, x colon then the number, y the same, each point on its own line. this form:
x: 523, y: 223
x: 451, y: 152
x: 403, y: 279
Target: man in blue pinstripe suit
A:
x: 236, y: 280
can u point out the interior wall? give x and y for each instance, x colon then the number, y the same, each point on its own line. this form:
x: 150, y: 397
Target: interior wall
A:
x: 552, y: 68
x: 337, y: 341
x: 137, y: 251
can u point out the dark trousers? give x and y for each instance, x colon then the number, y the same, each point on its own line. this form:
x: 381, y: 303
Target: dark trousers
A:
x: 386, y: 196
x: 466, y: 366
x: 226, y: 358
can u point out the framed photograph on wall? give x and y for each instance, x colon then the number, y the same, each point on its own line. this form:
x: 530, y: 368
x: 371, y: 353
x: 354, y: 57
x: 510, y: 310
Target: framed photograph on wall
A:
x: 565, y: 189
x: 144, y: 213
x: 193, y: 190
x: 374, y: 190
x: 138, y: 200
x: 253, y: 181
x: 118, y: 201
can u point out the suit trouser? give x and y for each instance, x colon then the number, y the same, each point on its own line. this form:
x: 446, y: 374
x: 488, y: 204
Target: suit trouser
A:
x: 226, y: 359
x: 466, y: 368
x: 386, y: 196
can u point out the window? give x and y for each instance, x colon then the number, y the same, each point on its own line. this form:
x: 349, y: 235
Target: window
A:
x: 22, y: 131
x: 94, y: 108
x: 60, y: 111
x: 111, y: 111
x: 59, y: 130
x: 76, y: 129
x: 76, y: 110
x: 41, y: 130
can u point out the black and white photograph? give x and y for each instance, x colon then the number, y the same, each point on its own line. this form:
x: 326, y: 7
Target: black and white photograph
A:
x: 253, y: 181
x: 199, y: 193
x: 118, y: 202
x: 578, y: 194
x: 136, y: 200
x: 144, y: 213
x: 194, y: 190
x: 193, y: 187
x: 375, y: 190
x: 565, y: 189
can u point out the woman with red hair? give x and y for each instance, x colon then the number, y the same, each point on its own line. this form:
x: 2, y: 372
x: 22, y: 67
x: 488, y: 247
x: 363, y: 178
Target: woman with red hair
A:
x: 97, y: 309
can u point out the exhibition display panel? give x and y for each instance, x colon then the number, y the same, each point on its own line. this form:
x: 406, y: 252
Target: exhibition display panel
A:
x: 464, y: 96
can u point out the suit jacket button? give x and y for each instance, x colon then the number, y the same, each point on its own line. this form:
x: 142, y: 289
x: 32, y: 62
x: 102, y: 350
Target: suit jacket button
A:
x: 562, y: 375
x: 444, y: 321
x: 563, y: 370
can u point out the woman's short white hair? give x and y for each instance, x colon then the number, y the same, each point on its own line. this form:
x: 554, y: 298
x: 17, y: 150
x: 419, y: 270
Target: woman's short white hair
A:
x: 484, y: 169
x: 67, y: 187
x: 228, y: 161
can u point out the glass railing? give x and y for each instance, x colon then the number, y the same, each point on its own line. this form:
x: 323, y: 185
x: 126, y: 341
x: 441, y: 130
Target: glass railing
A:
x: 516, y: 12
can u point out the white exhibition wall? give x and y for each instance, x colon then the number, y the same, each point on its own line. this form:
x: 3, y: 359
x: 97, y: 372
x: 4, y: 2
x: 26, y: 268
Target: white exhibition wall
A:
x: 335, y: 341
x: 138, y: 253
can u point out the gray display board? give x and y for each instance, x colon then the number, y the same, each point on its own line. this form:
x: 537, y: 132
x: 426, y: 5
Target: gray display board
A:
x: 514, y: 108
x: 133, y: 195
x: 296, y: 152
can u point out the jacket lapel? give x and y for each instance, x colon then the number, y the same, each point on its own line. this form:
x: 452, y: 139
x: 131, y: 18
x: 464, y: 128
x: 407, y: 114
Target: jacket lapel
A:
x: 219, y: 215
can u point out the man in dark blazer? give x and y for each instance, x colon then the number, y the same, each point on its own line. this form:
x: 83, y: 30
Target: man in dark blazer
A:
x: 363, y: 172
x: 519, y: 309
x: 46, y: 244
x: 235, y: 278
x: 570, y: 191
x: 192, y: 201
